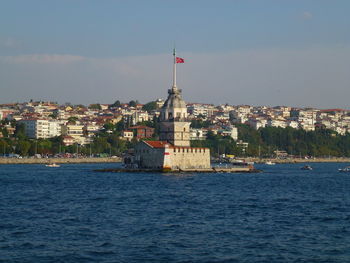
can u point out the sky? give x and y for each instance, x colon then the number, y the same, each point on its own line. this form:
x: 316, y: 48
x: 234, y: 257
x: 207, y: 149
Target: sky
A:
x: 271, y: 52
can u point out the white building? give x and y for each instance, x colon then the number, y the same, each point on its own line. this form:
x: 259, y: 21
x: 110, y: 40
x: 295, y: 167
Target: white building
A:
x: 293, y: 124
x: 42, y: 128
x: 198, y: 109
x: 257, y: 123
x: 139, y: 116
x: 74, y: 130
x: 276, y: 123
x: 198, y: 134
x: 127, y: 135
x: 230, y: 131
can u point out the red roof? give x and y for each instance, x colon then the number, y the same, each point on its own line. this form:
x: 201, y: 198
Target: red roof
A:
x: 157, y: 144
x: 326, y: 110
x: 161, y: 144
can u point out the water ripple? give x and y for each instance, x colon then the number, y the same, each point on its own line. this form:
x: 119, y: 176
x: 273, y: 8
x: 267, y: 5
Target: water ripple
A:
x: 73, y: 214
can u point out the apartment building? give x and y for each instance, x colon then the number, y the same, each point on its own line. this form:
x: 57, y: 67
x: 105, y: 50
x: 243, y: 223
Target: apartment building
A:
x: 41, y: 128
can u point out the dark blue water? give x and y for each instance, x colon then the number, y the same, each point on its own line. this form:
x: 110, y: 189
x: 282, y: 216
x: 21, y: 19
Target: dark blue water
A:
x: 72, y: 214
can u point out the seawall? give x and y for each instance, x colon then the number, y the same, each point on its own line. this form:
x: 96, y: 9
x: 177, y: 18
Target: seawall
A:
x: 58, y: 160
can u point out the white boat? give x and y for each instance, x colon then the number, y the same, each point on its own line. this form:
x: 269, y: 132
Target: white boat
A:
x: 52, y: 165
x: 269, y: 163
x: 345, y: 170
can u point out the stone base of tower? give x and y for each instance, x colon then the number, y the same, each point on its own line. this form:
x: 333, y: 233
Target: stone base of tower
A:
x: 175, y: 132
x: 165, y: 156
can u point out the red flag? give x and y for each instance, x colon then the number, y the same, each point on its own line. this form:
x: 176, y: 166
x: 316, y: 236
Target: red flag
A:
x: 180, y: 60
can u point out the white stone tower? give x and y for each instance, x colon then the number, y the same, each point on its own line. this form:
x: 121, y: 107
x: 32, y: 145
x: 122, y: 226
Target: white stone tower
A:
x: 174, y: 126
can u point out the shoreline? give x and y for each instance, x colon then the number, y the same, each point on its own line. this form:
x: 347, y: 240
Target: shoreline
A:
x: 59, y: 160
x: 296, y: 160
x: 119, y: 160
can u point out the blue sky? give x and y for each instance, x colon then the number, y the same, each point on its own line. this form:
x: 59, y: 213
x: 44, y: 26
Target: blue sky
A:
x: 100, y: 51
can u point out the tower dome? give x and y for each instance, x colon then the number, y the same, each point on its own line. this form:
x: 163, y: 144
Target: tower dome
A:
x: 174, y: 107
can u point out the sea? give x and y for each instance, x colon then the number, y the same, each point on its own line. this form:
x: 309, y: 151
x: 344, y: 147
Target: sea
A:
x: 74, y: 214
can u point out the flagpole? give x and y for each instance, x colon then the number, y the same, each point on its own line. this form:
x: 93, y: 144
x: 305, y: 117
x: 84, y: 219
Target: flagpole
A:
x: 174, y: 69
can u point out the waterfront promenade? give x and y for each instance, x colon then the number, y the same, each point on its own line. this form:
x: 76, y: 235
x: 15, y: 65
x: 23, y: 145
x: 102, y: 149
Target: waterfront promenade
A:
x: 59, y: 160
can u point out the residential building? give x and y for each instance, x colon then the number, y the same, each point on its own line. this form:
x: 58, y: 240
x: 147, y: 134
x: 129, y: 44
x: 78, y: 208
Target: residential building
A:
x: 142, y: 131
x: 41, y: 128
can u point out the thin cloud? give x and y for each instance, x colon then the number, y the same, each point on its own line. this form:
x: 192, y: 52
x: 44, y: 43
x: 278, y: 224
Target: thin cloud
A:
x: 307, y: 15
x: 41, y: 59
x: 297, y: 77
x: 9, y: 42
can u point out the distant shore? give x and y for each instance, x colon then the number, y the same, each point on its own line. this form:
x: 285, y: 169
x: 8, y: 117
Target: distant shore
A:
x: 59, y: 160
x: 118, y: 160
x: 297, y: 160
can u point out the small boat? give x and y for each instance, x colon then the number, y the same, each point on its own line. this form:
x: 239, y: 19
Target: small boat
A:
x: 269, y: 163
x: 52, y: 165
x: 345, y: 170
x: 306, y: 167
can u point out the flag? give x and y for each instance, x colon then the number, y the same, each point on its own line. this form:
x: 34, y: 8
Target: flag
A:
x: 180, y: 60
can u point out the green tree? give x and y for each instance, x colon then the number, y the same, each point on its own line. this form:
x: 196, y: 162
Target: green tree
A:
x: 133, y: 103
x: 73, y: 119
x: 20, y: 131
x: 116, y: 104
x: 54, y: 115
x: 120, y: 126
x: 101, y: 145
x: 199, y: 123
x: 118, y: 145
x: 23, y: 147
x: 5, y: 132
x: 96, y: 106
x: 44, y: 146
x: 3, y: 147
x: 109, y: 126
x: 150, y: 106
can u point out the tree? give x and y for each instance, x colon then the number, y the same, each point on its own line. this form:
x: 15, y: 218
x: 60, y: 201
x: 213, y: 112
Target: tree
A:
x: 20, y: 131
x: 199, y: 123
x: 95, y: 106
x: 23, y: 147
x: 116, y: 104
x: 150, y: 106
x: 101, y: 145
x: 80, y: 106
x: 118, y: 145
x: 44, y: 146
x: 3, y: 146
x: 133, y: 103
x: 109, y: 126
x: 72, y: 119
x: 53, y: 115
x: 120, y: 126
x: 5, y: 132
